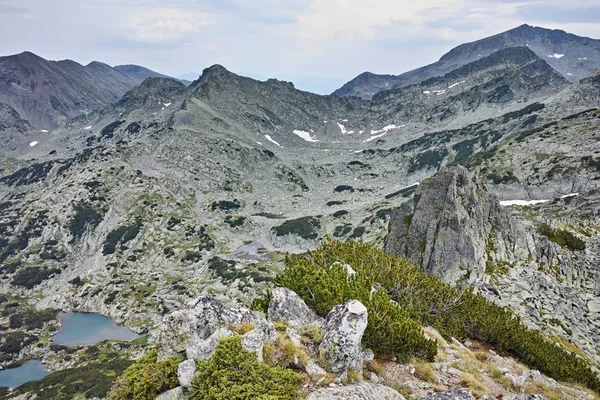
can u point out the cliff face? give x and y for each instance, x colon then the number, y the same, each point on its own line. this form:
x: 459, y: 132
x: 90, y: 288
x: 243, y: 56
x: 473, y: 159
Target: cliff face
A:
x: 454, y: 229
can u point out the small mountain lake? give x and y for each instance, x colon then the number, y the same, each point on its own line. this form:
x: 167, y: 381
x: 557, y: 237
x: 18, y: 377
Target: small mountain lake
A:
x: 85, y: 329
x: 30, y: 371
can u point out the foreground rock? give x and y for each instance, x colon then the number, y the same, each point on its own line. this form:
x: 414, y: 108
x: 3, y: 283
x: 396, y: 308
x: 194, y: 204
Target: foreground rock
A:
x: 342, y: 335
x: 173, y: 394
x: 287, y: 306
x: 358, y: 391
x: 460, y: 394
x: 187, y: 330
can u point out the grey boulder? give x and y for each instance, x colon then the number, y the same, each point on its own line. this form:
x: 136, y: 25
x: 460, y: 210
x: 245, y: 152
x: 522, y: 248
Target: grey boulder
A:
x: 286, y: 305
x: 459, y: 394
x: 173, y: 394
x: 342, y: 335
x: 185, y: 373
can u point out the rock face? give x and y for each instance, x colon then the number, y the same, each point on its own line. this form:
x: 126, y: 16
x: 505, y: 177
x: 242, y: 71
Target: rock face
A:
x: 185, y: 329
x: 287, y: 306
x: 451, y: 224
x: 454, y: 229
x: 342, y: 335
x: 359, y: 391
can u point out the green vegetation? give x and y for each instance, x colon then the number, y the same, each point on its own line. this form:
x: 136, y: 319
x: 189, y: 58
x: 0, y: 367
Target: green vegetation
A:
x: 32, y: 319
x: 497, y: 179
x: 146, y: 378
x: 32, y: 276
x: 305, y: 227
x: 122, y: 234
x: 233, y: 373
x: 524, y: 111
x: 85, y: 216
x: 395, y: 329
x: 427, y: 159
x: 562, y: 237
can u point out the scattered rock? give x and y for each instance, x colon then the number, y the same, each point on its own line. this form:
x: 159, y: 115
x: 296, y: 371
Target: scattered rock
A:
x: 173, y: 394
x: 203, y: 349
x: 342, y: 335
x: 460, y: 394
x: 358, y: 391
x: 313, y: 369
x: 256, y: 339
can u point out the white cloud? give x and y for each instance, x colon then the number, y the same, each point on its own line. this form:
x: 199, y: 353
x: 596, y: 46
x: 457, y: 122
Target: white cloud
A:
x: 165, y: 25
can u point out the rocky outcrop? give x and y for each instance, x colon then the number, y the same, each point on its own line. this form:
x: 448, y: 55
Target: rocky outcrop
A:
x: 188, y: 329
x: 453, y: 227
x: 286, y: 305
x: 342, y: 335
x: 358, y: 391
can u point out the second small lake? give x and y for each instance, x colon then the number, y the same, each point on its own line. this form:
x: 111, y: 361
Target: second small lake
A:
x: 30, y: 371
x: 85, y: 329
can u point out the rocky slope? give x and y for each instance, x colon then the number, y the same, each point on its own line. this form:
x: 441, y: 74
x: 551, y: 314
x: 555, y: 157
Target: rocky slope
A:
x: 572, y: 56
x: 140, y: 74
x: 457, y: 231
x: 47, y: 93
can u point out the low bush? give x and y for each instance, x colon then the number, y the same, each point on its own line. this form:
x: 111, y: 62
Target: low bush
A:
x: 146, y: 378
x: 562, y: 237
x: 32, y: 276
x: 394, y: 328
x: 305, y: 227
x: 233, y: 373
x: 85, y: 217
x: 122, y: 234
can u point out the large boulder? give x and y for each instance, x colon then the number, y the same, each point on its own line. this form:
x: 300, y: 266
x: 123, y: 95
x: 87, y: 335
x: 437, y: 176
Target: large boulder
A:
x: 287, y: 306
x: 256, y: 339
x: 342, y: 334
x: 200, y: 318
x: 358, y: 391
x: 203, y: 349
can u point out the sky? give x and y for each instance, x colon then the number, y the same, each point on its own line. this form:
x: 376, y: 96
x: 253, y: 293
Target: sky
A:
x: 317, y: 44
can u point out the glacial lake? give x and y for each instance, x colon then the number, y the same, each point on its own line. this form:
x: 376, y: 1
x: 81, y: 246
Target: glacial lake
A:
x: 85, y: 329
x: 30, y: 371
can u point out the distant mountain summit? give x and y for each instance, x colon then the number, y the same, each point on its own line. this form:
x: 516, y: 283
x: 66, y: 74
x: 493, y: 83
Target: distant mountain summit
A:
x: 46, y: 93
x: 142, y: 73
x: 572, y: 56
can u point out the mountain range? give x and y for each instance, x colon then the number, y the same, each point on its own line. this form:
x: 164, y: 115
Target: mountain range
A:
x: 128, y: 193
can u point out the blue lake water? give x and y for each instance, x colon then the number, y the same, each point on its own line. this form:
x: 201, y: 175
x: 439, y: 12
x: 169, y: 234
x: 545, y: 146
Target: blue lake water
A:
x: 84, y: 329
x: 30, y: 371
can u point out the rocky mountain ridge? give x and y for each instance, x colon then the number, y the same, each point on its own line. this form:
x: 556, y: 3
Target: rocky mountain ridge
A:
x: 572, y: 56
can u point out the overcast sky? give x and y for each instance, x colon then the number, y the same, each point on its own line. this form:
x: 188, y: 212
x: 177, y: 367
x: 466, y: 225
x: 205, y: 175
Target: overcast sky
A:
x: 328, y: 41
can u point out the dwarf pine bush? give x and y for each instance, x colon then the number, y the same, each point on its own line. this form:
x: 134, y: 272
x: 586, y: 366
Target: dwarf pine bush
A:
x: 146, y: 378
x: 233, y: 373
x: 394, y: 328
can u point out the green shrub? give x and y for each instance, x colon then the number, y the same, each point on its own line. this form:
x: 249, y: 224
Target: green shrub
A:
x: 427, y: 159
x: 323, y: 284
x: 32, y: 276
x: 146, y: 378
x: 85, y: 216
x: 305, y: 227
x: 122, y: 234
x: 561, y: 237
x: 235, y: 374
x: 421, y: 299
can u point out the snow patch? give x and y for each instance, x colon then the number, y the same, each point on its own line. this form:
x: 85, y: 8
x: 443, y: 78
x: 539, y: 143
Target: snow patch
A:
x: 324, y: 122
x: 582, y: 58
x: 455, y: 84
x: 556, y: 55
x: 259, y: 143
x: 305, y: 135
x: 44, y: 131
x: 87, y: 128
x: 361, y: 132
x: 33, y: 143
x: 379, y: 133
x: 344, y: 120
x: 343, y: 128
x: 568, y: 73
x: 569, y: 195
x: 436, y: 92
x: 272, y: 140
x: 522, y: 202
x: 167, y: 104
